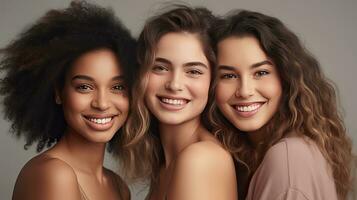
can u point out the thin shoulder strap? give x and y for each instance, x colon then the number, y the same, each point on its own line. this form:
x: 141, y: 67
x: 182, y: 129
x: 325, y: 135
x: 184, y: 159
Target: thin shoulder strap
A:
x: 83, y: 194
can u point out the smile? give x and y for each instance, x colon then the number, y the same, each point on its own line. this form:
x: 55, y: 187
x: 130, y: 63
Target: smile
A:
x: 99, y: 123
x: 248, y: 109
x: 173, y: 101
x: 101, y: 120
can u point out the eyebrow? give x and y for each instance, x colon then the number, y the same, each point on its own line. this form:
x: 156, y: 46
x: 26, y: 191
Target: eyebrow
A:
x: 265, y: 62
x: 255, y: 65
x: 163, y: 60
x: 189, y: 64
x: 88, y: 78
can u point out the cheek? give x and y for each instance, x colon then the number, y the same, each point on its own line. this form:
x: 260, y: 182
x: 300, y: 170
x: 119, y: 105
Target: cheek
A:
x: 122, y: 103
x: 154, y: 84
x: 199, y: 88
x: 271, y: 89
x: 76, y: 102
x: 224, y: 92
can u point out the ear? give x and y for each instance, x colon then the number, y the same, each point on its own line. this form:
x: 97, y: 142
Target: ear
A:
x: 58, y: 97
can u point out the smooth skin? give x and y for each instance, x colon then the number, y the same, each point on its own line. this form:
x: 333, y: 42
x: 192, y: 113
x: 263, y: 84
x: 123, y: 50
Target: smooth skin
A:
x: 95, y: 104
x: 249, y: 88
x: 196, y: 165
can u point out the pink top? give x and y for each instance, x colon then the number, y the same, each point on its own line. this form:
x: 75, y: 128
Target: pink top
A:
x: 294, y: 168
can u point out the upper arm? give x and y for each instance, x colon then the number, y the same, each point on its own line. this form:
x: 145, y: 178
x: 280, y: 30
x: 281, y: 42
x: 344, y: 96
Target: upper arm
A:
x: 271, y: 179
x: 293, y: 194
x: 203, y: 171
x: 50, y: 179
x: 286, y: 172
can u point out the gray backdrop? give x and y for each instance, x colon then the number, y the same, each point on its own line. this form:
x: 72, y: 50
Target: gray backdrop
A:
x: 328, y: 29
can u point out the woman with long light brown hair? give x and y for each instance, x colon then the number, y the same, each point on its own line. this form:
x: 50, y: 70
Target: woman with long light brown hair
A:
x: 277, y: 113
x: 168, y: 138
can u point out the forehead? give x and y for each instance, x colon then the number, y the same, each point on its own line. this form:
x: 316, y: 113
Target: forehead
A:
x: 180, y: 47
x: 97, y: 63
x: 240, y: 51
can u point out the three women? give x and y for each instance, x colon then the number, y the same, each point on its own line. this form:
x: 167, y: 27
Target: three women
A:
x: 273, y: 108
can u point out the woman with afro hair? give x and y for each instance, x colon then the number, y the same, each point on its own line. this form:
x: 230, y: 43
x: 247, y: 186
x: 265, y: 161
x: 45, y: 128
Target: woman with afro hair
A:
x: 65, y: 85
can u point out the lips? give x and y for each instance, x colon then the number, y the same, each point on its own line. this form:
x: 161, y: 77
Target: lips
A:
x: 99, y: 123
x: 100, y: 120
x: 247, y: 109
x: 173, y: 103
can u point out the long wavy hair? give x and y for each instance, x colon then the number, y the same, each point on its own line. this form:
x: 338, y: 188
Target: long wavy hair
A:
x: 142, y: 153
x: 308, y: 105
x: 37, y: 60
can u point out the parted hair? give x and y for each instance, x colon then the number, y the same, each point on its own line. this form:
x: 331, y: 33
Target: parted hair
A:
x: 309, y: 102
x: 143, y: 150
x: 35, y: 63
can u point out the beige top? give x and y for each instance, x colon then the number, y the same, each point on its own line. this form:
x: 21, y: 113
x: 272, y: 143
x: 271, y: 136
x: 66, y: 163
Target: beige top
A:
x: 294, y: 168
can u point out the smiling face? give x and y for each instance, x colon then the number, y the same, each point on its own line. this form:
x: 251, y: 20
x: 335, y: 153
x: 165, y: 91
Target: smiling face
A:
x: 178, y: 80
x: 94, y: 97
x: 249, y: 88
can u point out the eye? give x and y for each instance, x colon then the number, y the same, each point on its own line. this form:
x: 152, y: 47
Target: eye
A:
x: 194, y: 72
x: 228, y: 76
x: 84, y: 88
x: 119, y: 87
x: 261, y: 73
x: 159, y: 68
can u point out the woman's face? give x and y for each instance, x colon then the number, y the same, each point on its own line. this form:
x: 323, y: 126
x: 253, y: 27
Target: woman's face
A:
x: 249, y: 88
x: 94, y: 97
x: 178, y: 80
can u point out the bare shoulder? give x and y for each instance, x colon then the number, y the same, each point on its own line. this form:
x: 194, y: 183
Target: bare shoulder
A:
x: 44, y: 177
x: 204, y: 170
x: 202, y: 153
x: 123, y: 187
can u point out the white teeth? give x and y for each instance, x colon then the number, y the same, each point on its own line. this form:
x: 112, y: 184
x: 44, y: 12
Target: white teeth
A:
x: 100, y: 121
x: 247, y: 108
x: 173, y: 101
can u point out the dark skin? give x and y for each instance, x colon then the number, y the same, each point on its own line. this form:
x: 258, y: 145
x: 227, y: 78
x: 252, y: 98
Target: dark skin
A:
x: 64, y: 184
x: 95, y: 106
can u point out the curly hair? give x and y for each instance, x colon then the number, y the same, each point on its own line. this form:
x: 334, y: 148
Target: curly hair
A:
x: 308, y: 104
x: 36, y: 62
x: 143, y: 152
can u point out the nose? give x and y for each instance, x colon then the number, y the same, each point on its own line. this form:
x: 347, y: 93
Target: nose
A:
x: 245, y: 88
x: 175, y: 83
x: 101, y: 101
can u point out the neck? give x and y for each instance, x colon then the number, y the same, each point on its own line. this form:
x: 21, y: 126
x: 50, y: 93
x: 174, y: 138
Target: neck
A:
x: 85, y: 156
x: 176, y: 137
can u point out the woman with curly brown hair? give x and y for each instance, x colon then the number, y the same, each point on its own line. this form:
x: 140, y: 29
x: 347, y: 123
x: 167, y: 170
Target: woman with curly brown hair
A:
x: 277, y: 113
x: 65, y: 85
x: 168, y: 138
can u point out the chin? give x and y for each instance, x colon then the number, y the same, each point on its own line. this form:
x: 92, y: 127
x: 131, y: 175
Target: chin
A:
x: 104, y: 139
x: 171, y: 121
x: 246, y: 127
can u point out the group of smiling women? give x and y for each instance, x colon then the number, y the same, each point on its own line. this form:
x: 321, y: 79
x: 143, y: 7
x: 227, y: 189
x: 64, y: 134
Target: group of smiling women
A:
x: 200, y: 107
